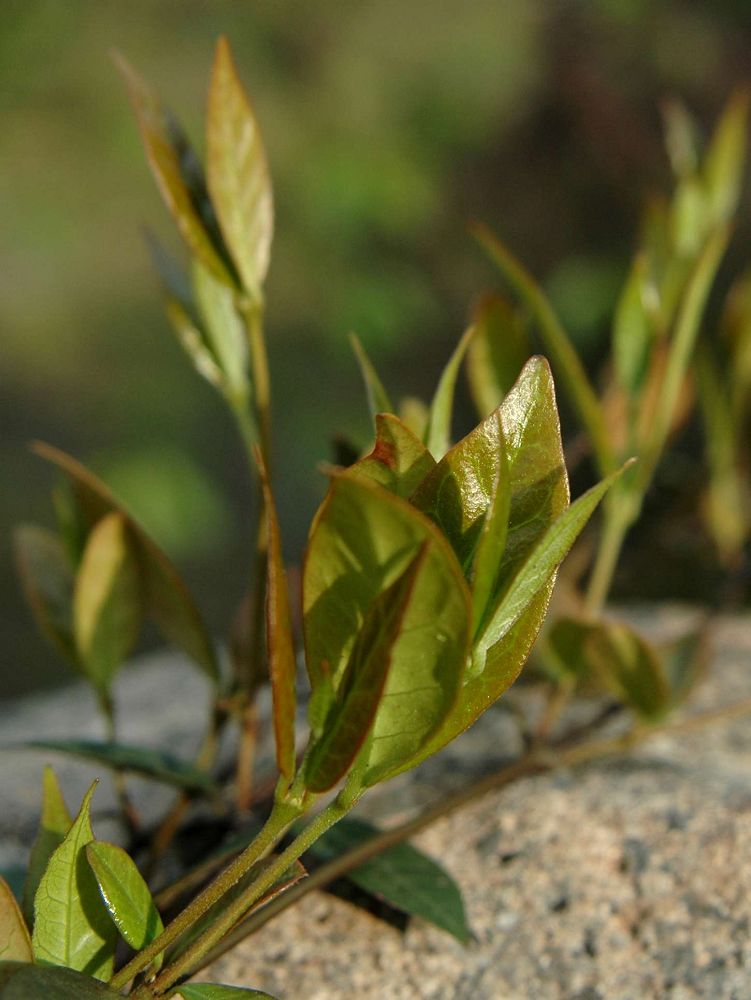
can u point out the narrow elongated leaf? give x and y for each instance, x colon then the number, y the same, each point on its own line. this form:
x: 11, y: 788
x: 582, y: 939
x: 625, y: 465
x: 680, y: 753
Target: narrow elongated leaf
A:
x: 107, y: 600
x: 15, y: 941
x: 280, y: 645
x: 31, y: 982
x: 633, y: 332
x: 363, y: 682
x: 166, y: 596
x: 125, y: 895
x: 491, y: 545
x: 54, y: 824
x: 237, y: 172
x: 193, y: 342
x: 71, y: 925
x: 378, y: 399
x: 214, y: 991
x: 47, y: 581
x: 496, y: 354
x: 567, y: 362
x: 399, y: 461
x: 402, y: 876
x: 225, y: 333
x: 153, y: 764
x: 362, y: 539
x: 724, y: 161
x: 438, y: 434
x: 177, y: 172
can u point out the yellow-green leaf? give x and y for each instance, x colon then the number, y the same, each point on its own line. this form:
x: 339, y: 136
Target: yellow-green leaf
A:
x: 496, y: 353
x: 47, y: 581
x: 53, y: 826
x: 107, y: 609
x: 378, y: 398
x: 725, y: 158
x: 15, y: 941
x: 214, y: 991
x: 438, y: 433
x: 167, y: 599
x: 633, y: 329
x: 237, y: 172
x: 399, y: 461
x: 225, y: 333
x: 71, y: 926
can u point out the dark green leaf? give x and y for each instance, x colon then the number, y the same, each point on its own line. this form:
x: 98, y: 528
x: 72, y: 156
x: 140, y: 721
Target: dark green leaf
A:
x: 496, y: 354
x: 15, y: 941
x: 362, y: 539
x: 30, y: 982
x: 362, y: 685
x: 402, y: 876
x: 565, y: 643
x: 684, y: 663
x: 378, y: 399
x: 71, y: 925
x: 213, y: 991
x: 399, y: 461
x: 629, y: 667
x: 237, y: 172
x: 558, y: 345
x: 125, y: 895
x: 177, y: 173
x: 53, y: 826
x: 167, y: 598
x: 107, y: 600
x: 280, y: 643
x: 47, y: 580
x: 153, y: 764
x: 438, y: 433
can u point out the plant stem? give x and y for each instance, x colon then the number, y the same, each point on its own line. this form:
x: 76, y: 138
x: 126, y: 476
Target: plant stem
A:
x: 194, y: 954
x: 127, y: 809
x: 282, y: 816
x: 617, y: 519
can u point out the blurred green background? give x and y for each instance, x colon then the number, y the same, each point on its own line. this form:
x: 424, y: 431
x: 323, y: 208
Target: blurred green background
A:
x: 388, y: 126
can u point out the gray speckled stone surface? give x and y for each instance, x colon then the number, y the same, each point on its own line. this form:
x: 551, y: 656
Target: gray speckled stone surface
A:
x: 625, y: 880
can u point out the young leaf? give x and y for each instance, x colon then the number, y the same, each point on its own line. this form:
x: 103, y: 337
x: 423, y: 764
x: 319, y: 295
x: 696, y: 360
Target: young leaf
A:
x: 177, y: 173
x: 438, y: 434
x: 496, y: 353
x: 213, y: 991
x: 399, y: 461
x: 279, y: 639
x: 107, y: 600
x: 125, y: 895
x: 583, y: 397
x: 225, y: 333
x: 20, y: 981
x: 491, y: 544
x: 633, y: 332
x: 361, y: 541
x: 193, y: 342
x: 71, y: 925
x: 378, y: 399
x: 47, y: 581
x: 53, y: 826
x: 362, y: 685
x: 166, y: 597
x: 156, y: 765
x: 237, y: 172
x: 402, y: 876
x: 724, y: 160
x: 15, y: 942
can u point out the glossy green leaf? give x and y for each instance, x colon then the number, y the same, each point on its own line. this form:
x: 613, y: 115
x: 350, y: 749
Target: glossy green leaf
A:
x: 237, y: 172
x: 402, y: 876
x: 47, y: 580
x: 166, y: 597
x: 280, y: 645
x: 496, y: 353
x: 363, y: 682
x: 557, y: 344
x: 53, y: 826
x: 225, y: 332
x: 491, y: 545
x: 725, y: 159
x: 438, y: 433
x: 125, y: 895
x: 378, y: 399
x: 177, y: 172
x: 15, y: 941
x: 71, y: 925
x: 107, y: 610
x: 362, y: 539
x: 213, y: 991
x: 399, y: 461
x: 633, y: 331
x: 31, y: 982
x: 153, y: 764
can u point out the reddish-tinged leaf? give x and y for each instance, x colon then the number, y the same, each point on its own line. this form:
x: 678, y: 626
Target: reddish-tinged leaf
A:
x: 399, y: 461
x: 15, y: 941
